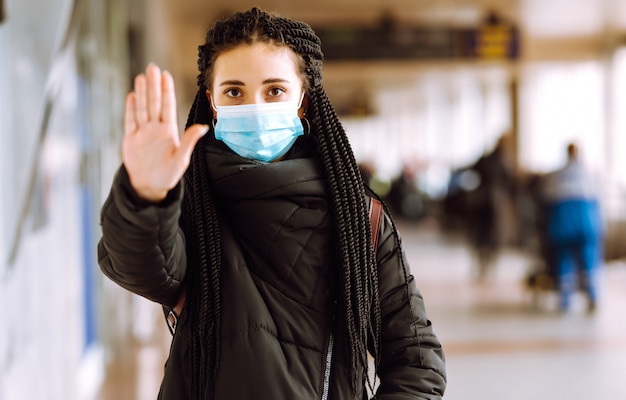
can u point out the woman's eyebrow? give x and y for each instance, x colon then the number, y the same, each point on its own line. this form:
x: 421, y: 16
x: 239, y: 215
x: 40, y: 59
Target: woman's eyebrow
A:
x: 276, y: 80
x: 232, y: 82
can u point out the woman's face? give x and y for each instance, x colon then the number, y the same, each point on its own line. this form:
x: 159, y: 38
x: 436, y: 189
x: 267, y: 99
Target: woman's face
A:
x: 256, y: 73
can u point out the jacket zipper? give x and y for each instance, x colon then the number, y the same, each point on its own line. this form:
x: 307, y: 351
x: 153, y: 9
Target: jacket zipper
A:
x: 329, y: 359
x: 329, y: 356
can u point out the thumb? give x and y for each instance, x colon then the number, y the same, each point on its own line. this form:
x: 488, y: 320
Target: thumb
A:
x: 189, y: 139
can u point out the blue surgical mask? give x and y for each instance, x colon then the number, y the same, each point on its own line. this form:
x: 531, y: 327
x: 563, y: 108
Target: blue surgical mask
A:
x: 264, y: 131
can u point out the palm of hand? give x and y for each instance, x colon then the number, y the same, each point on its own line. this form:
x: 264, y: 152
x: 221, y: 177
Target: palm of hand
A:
x: 153, y: 154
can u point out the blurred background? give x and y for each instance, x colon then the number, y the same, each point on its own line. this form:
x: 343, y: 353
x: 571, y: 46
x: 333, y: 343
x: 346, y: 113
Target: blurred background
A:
x: 425, y: 90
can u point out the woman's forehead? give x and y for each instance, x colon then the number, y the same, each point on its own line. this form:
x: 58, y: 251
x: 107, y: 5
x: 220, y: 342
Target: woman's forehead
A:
x: 256, y: 60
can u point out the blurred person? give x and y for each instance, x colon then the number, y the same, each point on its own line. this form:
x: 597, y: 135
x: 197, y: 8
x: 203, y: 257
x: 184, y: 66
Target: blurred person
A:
x: 574, y: 231
x: 263, y: 235
x: 542, y: 275
x: 405, y: 197
x: 489, y: 205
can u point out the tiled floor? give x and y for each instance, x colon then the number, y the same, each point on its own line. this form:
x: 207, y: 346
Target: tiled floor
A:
x: 136, y: 375
x: 499, y: 344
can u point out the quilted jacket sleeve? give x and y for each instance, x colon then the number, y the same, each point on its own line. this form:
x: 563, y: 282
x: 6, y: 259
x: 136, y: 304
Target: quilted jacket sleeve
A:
x: 412, y: 362
x: 142, y: 248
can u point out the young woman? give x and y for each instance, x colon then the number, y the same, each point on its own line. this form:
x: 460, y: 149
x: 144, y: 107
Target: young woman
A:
x: 256, y: 220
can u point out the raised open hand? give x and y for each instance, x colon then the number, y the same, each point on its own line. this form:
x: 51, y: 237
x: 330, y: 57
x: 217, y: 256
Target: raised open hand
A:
x: 152, y: 151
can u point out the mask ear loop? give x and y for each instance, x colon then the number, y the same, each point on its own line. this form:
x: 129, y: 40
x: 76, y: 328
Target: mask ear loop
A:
x: 213, y: 103
x: 213, y: 120
x: 307, y: 127
x: 300, y: 102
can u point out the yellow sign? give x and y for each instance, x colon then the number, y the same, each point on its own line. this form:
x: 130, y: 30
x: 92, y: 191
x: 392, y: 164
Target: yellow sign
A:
x: 494, y: 41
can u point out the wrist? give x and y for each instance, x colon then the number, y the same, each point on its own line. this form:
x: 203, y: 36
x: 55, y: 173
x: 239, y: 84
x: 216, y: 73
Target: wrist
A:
x: 150, y: 195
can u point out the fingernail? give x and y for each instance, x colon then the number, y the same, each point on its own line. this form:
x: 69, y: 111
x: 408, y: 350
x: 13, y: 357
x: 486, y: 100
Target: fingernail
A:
x: 205, y: 129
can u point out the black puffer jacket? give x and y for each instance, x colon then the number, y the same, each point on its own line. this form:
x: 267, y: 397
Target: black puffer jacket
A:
x: 278, y: 283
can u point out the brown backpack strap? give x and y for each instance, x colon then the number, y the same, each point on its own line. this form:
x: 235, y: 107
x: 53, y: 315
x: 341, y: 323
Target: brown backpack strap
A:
x: 376, y: 216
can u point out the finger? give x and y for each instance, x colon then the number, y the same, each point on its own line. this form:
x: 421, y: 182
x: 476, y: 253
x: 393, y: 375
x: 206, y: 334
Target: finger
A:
x: 154, y: 92
x: 130, y: 124
x: 168, y: 114
x: 141, y: 111
x: 189, y: 140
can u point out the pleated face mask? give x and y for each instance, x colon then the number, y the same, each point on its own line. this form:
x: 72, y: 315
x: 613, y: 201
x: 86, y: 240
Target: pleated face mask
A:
x: 264, y: 131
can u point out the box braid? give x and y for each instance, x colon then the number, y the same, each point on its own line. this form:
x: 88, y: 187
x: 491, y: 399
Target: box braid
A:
x: 359, y: 299
x: 199, y: 217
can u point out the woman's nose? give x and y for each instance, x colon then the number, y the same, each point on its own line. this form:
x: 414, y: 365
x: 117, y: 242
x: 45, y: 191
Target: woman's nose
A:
x: 256, y: 99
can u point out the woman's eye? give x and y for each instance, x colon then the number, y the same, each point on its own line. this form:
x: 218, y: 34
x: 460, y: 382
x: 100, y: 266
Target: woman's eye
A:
x: 233, y: 92
x: 274, y: 92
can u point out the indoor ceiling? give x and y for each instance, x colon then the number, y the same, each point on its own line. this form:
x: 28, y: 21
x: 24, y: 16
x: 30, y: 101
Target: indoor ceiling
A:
x: 550, y: 29
x: 539, y: 17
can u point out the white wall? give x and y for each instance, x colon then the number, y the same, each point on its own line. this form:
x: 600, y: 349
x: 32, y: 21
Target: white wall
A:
x: 51, y: 120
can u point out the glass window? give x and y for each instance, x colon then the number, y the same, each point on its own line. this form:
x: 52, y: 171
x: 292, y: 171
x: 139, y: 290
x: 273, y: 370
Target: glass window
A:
x: 561, y: 102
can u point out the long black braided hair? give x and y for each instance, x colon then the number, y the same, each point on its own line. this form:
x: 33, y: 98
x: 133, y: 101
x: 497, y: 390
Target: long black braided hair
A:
x: 359, y: 305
